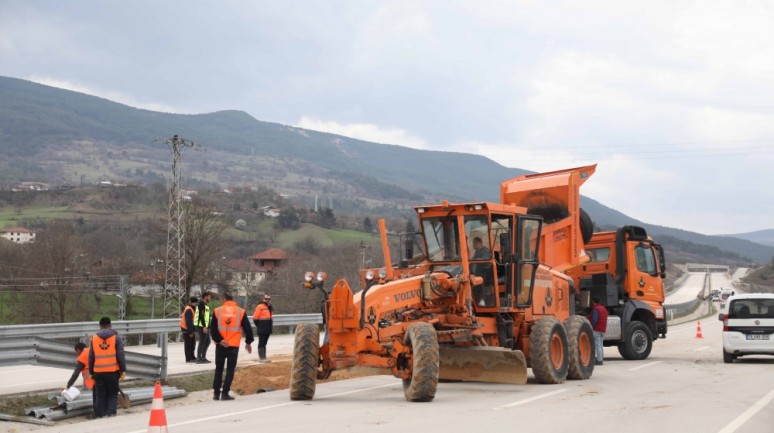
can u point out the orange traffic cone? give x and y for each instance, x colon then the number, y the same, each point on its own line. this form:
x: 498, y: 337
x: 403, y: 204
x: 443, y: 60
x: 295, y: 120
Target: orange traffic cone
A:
x: 158, y: 417
x: 698, y: 330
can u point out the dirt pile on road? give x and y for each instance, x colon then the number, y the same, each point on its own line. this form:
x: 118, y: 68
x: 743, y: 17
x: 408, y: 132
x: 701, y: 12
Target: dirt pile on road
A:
x: 276, y: 375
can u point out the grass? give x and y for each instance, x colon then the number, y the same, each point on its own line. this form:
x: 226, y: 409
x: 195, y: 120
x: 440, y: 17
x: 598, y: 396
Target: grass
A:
x: 138, y: 308
x: 324, y: 237
x: 9, y: 217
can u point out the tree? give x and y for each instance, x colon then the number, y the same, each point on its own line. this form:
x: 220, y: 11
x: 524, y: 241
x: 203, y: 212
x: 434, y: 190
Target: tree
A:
x: 288, y: 218
x: 54, y: 259
x: 410, y: 226
x: 203, y: 242
x: 368, y: 226
x: 327, y: 218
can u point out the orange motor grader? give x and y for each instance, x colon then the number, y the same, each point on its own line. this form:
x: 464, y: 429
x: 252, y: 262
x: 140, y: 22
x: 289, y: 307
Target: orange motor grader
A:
x: 491, y: 299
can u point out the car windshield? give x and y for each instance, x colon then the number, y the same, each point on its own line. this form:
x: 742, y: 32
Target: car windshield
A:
x: 752, y: 308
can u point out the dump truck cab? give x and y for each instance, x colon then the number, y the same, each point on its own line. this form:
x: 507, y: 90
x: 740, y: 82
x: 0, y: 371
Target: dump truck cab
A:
x: 625, y: 271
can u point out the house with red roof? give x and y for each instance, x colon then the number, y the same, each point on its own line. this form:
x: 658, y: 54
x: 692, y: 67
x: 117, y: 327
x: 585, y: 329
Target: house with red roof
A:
x: 19, y: 235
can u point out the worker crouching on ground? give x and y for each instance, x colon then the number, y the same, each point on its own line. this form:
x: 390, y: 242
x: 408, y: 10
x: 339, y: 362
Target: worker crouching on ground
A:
x: 82, y: 369
x: 263, y: 325
x: 107, y: 365
x: 228, y: 323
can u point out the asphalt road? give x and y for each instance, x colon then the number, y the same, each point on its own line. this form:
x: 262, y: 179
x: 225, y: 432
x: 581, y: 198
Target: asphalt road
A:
x: 683, y: 387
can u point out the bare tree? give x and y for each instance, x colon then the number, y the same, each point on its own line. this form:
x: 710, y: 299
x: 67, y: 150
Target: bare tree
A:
x: 54, y: 264
x: 203, y: 242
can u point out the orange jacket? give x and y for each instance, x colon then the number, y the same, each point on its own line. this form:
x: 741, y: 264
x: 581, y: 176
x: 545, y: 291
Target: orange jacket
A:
x: 229, y: 317
x: 185, y: 321
x: 105, y: 359
x: 262, y: 312
x: 83, y: 358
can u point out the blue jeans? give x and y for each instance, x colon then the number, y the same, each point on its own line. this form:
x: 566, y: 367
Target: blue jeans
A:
x: 599, y: 347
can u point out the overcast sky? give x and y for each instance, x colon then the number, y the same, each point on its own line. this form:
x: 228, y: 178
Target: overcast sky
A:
x: 674, y: 99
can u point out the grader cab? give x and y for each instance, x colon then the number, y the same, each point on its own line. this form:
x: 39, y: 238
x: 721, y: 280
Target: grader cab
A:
x: 482, y: 308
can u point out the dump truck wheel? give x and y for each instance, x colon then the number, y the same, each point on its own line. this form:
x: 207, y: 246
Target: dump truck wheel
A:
x: 306, y: 358
x: 586, y: 226
x: 638, y: 342
x: 548, y: 351
x: 580, y: 347
x: 423, y: 340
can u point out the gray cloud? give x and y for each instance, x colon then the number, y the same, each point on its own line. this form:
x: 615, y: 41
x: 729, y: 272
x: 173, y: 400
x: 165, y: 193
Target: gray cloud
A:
x: 666, y: 96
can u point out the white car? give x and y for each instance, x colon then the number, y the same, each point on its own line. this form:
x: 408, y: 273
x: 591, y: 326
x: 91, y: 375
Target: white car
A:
x: 748, y: 325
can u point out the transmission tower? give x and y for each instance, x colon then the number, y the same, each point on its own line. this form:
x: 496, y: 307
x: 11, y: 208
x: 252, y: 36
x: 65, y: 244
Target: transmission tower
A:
x: 174, y: 276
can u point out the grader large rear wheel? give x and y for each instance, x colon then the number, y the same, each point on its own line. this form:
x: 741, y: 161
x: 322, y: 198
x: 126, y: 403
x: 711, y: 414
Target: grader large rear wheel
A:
x: 548, y: 351
x: 422, y: 339
x: 580, y: 345
x: 306, y: 358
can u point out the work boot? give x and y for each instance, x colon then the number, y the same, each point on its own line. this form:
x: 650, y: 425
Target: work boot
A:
x: 225, y: 397
x: 262, y: 355
x: 216, y: 396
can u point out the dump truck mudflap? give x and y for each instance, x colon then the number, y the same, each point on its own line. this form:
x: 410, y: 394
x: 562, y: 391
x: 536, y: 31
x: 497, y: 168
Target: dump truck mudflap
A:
x: 483, y: 364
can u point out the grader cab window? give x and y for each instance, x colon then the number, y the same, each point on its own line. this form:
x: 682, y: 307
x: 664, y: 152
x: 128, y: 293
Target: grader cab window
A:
x: 441, y: 239
x: 480, y: 255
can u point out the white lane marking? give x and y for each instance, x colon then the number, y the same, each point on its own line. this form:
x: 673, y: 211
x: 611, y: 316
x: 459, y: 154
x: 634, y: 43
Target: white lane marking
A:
x: 529, y: 400
x: 702, y: 348
x: 645, y: 366
x: 749, y: 413
x: 258, y: 409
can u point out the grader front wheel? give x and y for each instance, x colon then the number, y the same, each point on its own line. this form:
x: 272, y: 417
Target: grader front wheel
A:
x: 548, y: 351
x: 306, y: 358
x: 422, y: 339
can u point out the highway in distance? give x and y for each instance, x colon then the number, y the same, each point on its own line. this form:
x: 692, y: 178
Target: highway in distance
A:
x: 683, y: 387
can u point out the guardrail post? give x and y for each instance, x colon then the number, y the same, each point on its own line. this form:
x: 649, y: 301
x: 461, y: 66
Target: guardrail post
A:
x: 164, y: 356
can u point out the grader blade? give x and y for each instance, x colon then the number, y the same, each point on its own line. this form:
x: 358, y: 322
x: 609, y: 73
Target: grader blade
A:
x: 483, y: 364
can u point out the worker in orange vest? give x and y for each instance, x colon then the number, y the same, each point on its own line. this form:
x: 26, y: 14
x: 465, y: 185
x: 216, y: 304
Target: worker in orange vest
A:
x: 262, y: 316
x: 107, y: 365
x: 188, y: 331
x: 227, y: 325
x: 82, y: 369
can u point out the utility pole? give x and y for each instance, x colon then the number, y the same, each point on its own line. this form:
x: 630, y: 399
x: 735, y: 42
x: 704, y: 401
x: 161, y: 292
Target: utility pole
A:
x: 174, y: 276
x: 122, y: 294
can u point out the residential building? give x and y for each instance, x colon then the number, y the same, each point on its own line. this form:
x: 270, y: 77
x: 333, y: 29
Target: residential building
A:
x: 19, y: 235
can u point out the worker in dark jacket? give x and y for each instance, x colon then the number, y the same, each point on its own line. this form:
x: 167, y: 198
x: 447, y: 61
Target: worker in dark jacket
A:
x: 188, y: 331
x: 202, y: 325
x: 107, y: 365
x: 228, y: 323
x: 598, y: 319
x: 262, y: 316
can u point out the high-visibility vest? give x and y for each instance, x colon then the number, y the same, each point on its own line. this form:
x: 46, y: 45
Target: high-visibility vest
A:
x: 198, y: 322
x: 182, y: 317
x: 83, y: 358
x: 262, y: 312
x: 229, y: 317
x: 105, y: 359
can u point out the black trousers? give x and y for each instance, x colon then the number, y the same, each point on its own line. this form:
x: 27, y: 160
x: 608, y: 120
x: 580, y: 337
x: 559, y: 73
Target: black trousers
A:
x: 189, y: 345
x: 227, y: 356
x: 204, y: 344
x: 106, y: 391
x: 263, y: 339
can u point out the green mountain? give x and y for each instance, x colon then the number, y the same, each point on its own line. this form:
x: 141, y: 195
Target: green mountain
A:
x: 59, y: 136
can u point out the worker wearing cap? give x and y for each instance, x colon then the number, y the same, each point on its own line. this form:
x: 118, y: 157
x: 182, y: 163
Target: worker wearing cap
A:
x: 262, y: 316
x: 227, y: 325
x: 107, y: 365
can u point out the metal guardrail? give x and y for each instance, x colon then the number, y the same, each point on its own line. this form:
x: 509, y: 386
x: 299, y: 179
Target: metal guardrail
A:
x: 127, y: 327
x: 51, y: 353
x: 24, y: 344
